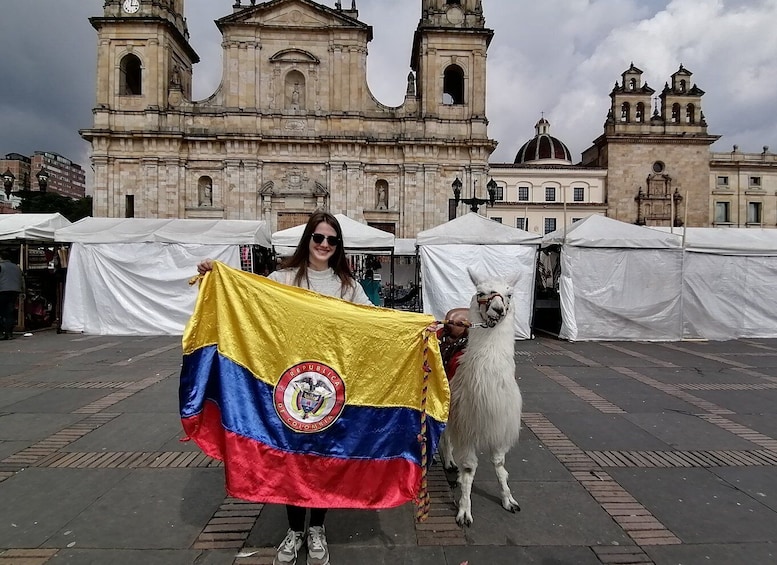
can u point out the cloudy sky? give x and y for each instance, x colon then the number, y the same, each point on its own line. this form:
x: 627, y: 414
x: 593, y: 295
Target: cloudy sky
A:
x: 560, y: 57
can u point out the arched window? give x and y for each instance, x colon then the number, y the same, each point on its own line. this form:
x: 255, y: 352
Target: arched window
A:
x: 205, y: 191
x: 295, y: 91
x: 639, y: 114
x: 633, y: 84
x: 453, y: 85
x: 682, y: 85
x: 625, y: 112
x: 131, y: 82
x: 453, y: 2
x: 690, y: 114
x: 675, y: 113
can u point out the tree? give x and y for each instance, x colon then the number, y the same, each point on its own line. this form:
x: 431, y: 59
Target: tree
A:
x: 36, y: 202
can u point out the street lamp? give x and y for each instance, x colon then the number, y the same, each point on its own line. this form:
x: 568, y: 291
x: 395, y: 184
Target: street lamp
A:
x: 43, y: 179
x: 474, y: 202
x: 8, y: 178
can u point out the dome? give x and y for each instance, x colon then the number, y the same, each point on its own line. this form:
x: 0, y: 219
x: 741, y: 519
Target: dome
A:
x: 543, y: 147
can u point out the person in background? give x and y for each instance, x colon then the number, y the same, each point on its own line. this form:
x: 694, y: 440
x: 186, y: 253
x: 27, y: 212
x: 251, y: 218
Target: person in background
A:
x: 372, y: 288
x: 318, y: 264
x: 11, y: 286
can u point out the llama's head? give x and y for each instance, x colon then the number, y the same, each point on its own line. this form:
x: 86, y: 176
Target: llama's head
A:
x: 492, y: 302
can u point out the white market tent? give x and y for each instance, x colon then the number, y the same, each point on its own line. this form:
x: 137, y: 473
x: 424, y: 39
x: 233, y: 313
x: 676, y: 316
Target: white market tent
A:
x: 30, y: 227
x: 487, y: 246
x: 729, y: 281
x: 129, y: 276
x: 356, y: 237
x: 618, y: 281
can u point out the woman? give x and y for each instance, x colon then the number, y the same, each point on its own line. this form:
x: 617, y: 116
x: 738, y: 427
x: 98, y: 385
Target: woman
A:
x: 318, y: 264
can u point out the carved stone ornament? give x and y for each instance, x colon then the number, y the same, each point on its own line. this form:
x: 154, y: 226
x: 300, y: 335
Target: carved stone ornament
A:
x: 295, y: 180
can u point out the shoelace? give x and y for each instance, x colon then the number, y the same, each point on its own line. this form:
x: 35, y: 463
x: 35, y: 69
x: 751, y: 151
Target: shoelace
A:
x: 289, y: 542
x: 315, y: 542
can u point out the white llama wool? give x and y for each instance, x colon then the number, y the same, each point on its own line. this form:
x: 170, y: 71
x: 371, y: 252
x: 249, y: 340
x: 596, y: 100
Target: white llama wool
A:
x: 486, y: 402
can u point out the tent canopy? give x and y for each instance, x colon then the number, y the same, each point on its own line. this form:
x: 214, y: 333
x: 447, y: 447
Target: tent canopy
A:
x: 35, y: 227
x: 600, y: 231
x: 356, y: 236
x: 404, y: 246
x: 728, y: 241
x: 189, y: 231
x: 474, y: 229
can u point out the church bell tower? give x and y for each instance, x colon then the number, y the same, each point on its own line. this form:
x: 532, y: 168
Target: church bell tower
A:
x: 144, y: 56
x: 449, y: 59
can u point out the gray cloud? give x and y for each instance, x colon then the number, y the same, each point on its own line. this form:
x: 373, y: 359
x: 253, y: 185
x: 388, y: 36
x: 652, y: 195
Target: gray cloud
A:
x: 560, y: 57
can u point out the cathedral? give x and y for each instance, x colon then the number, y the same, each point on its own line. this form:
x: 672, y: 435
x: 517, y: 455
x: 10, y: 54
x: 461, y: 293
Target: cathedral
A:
x: 293, y: 125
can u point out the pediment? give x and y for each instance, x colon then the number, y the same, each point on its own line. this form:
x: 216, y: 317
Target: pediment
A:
x: 294, y: 56
x: 292, y: 13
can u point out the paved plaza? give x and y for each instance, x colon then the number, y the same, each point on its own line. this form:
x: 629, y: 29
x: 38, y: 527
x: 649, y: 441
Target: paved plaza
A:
x: 630, y: 453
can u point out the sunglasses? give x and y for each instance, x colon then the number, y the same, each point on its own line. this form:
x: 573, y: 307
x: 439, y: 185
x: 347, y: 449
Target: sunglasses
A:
x: 330, y: 239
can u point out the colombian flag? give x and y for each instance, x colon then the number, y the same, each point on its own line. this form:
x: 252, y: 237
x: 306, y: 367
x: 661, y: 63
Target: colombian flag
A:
x: 310, y: 400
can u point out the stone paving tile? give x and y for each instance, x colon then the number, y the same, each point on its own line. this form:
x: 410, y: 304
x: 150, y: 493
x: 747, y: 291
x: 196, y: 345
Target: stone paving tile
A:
x: 762, y: 423
x: 636, y: 397
x: 57, y: 401
x: 13, y: 396
x: 760, y: 483
x: 8, y: 448
x: 148, y: 509
x: 698, y: 506
x: 33, y: 427
x: 605, y: 431
x: 742, y: 402
x: 161, y: 397
x: 39, y: 502
x: 512, y: 555
x: 131, y: 432
x: 715, y: 554
x: 530, y: 460
x: 687, y: 432
x: 79, y: 556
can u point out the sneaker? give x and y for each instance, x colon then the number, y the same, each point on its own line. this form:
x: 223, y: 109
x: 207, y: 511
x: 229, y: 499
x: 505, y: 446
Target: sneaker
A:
x: 318, y: 552
x: 290, y: 546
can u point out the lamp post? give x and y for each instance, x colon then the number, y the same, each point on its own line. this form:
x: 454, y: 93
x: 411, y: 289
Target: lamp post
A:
x: 43, y: 179
x: 8, y: 179
x: 474, y: 202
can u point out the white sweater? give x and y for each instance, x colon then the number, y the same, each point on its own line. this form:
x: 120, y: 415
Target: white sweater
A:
x: 323, y: 282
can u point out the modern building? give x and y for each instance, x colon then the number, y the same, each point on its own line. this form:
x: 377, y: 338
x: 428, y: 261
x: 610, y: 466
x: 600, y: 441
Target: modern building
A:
x: 64, y: 176
x: 293, y: 126
x: 542, y: 190
x: 744, y: 189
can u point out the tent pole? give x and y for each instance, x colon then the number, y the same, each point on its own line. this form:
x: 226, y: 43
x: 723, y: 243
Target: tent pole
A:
x: 391, y: 299
x: 671, y: 213
x: 685, y: 220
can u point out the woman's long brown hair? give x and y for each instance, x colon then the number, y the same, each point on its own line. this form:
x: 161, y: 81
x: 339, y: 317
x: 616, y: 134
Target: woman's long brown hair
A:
x: 301, y: 255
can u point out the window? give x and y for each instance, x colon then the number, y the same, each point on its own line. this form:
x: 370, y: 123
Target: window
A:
x: 500, y: 193
x: 453, y: 86
x: 523, y: 193
x: 550, y: 225
x: 722, y: 181
x: 520, y: 223
x: 576, y: 220
x: 579, y: 194
x: 755, y: 181
x: 690, y: 114
x: 129, y: 206
x: 753, y: 212
x: 131, y: 76
x: 675, y: 113
x: 625, y: 112
x: 550, y: 194
x: 497, y: 219
x: 639, y: 115
x: 722, y: 213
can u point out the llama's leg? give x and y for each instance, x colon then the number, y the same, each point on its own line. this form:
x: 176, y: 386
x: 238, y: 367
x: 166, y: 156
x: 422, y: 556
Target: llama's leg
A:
x: 508, y: 502
x: 468, y: 464
x: 445, y: 448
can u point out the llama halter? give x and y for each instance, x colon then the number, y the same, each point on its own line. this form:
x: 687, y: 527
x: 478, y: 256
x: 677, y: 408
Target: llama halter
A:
x: 486, y: 300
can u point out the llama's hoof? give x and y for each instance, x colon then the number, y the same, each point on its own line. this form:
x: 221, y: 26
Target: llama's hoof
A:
x: 511, y: 505
x: 450, y: 467
x: 464, y: 519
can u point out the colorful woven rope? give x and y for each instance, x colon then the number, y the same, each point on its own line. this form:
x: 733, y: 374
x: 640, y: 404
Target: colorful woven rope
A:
x: 423, y: 500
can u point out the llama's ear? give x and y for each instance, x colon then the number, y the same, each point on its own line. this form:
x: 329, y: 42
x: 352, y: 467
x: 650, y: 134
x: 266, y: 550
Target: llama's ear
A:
x: 473, y: 276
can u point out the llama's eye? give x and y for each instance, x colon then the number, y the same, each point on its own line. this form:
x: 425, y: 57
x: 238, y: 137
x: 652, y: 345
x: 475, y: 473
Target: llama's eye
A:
x: 481, y: 294
x: 509, y: 297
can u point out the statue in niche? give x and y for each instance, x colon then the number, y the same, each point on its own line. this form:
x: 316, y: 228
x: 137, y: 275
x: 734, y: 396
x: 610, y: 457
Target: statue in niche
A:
x: 382, y: 196
x: 295, y: 97
x: 205, y: 192
x: 175, y: 79
x: 410, y: 84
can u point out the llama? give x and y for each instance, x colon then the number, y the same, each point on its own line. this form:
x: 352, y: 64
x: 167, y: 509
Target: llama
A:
x: 486, y: 402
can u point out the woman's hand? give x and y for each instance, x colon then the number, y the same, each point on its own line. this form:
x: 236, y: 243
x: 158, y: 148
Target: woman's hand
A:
x: 204, y: 266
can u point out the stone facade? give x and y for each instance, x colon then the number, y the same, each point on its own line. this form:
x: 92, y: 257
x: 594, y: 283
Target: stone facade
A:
x: 658, y: 166
x: 743, y: 188
x: 293, y: 126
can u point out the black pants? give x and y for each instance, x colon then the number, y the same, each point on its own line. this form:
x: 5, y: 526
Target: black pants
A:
x: 296, y: 516
x: 8, y: 311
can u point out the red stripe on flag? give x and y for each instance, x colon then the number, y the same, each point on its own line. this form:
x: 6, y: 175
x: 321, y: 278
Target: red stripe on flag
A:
x: 259, y: 473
